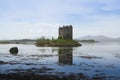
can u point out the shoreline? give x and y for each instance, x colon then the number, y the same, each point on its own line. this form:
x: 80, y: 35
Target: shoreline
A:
x: 57, y: 43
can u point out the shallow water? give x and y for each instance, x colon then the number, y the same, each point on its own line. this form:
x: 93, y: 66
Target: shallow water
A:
x: 91, y: 60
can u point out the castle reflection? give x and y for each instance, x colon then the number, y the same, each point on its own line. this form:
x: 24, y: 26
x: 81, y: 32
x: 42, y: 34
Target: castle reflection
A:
x: 65, y: 56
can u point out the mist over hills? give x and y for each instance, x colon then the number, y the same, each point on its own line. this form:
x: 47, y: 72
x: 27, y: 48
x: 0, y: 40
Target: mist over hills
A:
x: 99, y: 38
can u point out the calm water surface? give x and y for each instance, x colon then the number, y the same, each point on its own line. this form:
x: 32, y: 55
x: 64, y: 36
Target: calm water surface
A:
x: 99, y: 59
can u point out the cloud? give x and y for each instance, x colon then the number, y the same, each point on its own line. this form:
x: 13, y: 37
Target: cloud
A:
x: 104, y: 25
x: 33, y: 18
x: 28, y: 30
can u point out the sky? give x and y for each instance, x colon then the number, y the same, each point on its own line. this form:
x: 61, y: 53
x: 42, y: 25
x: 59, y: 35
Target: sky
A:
x: 32, y: 19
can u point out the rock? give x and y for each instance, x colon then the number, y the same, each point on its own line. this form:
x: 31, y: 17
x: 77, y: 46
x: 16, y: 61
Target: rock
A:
x: 13, y: 50
x: 2, y: 62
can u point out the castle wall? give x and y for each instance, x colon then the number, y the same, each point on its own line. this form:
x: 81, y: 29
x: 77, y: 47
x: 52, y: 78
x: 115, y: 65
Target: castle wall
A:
x: 65, y: 32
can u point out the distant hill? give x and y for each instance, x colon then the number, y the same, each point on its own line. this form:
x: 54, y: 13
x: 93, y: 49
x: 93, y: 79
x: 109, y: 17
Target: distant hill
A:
x: 118, y: 39
x: 19, y: 41
x: 99, y: 38
x: 88, y: 41
x: 23, y: 41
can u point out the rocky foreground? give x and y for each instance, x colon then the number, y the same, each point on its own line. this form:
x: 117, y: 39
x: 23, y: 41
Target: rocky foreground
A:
x: 31, y: 76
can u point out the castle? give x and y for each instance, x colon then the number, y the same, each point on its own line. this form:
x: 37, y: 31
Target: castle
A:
x: 66, y: 32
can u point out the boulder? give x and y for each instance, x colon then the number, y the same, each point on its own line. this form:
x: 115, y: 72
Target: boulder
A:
x: 13, y: 50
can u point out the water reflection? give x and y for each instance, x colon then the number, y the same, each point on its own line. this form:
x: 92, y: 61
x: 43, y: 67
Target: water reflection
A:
x: 65, y: 56
x: 14, y: 54
x: 92, y: 62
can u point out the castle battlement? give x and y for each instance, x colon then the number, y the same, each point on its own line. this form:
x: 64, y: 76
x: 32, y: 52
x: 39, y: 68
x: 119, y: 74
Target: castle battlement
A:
x: 66, y: 32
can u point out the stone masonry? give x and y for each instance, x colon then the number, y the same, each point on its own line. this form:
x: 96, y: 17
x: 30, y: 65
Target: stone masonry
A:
x: 66, y: 32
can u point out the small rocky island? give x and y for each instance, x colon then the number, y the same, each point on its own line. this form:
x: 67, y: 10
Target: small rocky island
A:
x: 65, y: 39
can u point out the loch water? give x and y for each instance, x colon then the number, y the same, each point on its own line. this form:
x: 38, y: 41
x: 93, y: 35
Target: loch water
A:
x: 89, y: 60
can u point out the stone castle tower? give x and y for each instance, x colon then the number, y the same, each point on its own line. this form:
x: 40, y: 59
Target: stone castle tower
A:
x: 66, y: 32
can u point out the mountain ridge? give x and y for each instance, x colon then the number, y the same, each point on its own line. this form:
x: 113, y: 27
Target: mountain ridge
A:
x: 99, y: 38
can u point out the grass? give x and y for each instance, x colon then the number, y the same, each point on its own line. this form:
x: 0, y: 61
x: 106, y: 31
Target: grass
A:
x: 64, y: 41
x: 57, y: 42
x: 42, y: 42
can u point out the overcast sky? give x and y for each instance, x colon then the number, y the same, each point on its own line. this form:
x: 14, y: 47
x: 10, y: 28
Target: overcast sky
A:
x: 34, y: 18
